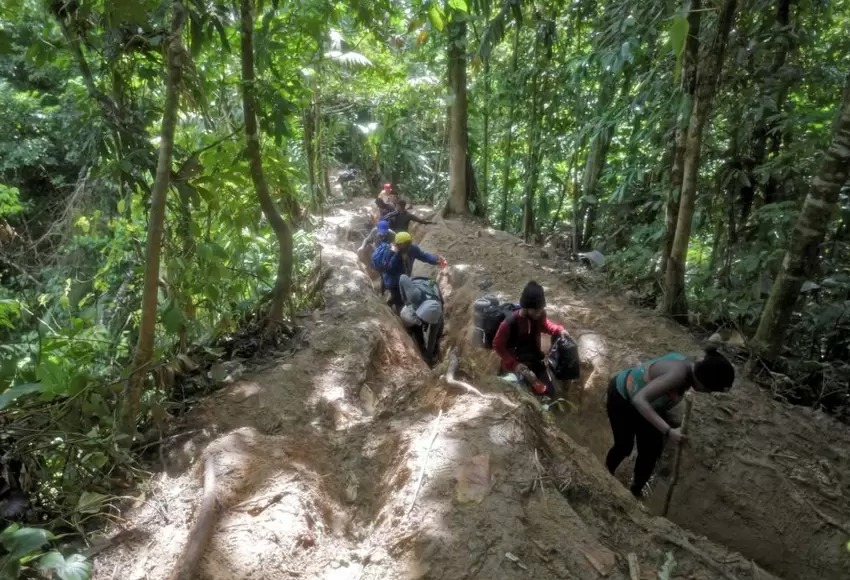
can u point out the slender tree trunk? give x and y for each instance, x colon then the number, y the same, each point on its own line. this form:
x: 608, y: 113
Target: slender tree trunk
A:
x: 564, y: 189
x: 689, y: 82
x: 533, y: 154
x: 156, y: 221
x: 506, y: 168
x: 458, y: 190
x: 596, y: 157
x: 280, y: 292
x: 310, y: 150
x: 321, y: 162
x: 803, y: 255
x: 675, y: 302
x: 485, y: 160
x: 592, y: 171
x: 473, y: 193
x: 775, y: 92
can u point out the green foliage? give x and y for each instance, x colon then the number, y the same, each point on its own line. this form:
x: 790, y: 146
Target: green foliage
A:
x: 678, y: 38
x: 23, y: 551
x: 10, y: 201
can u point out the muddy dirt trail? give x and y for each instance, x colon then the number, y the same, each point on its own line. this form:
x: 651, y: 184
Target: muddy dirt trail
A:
x: 352, y: 460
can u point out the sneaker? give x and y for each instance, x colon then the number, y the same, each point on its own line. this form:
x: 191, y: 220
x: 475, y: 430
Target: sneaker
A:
x: 646, y: 491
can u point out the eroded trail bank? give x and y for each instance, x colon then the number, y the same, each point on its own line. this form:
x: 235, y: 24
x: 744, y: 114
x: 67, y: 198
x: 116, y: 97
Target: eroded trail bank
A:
x: 768, y: 479
x: 351, y: 460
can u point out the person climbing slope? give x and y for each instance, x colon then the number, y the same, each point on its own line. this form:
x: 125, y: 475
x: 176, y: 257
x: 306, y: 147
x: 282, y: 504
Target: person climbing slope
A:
x: 380, y: 233
x: 398, y: 259
x: 422, y: 313
x: 640, y: 398
x: 400, y: 221
x: 387, y: 201
x: 517, y: 342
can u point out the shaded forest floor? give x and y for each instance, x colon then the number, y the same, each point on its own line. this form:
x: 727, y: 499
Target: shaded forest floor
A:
x: 319, y: 459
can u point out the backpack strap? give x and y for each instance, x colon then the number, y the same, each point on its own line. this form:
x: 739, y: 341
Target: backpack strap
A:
x: 513, y: 329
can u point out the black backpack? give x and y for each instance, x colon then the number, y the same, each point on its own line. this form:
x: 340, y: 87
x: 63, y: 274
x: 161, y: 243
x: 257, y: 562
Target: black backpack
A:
x: 564, y: 360
x: 488, y: 314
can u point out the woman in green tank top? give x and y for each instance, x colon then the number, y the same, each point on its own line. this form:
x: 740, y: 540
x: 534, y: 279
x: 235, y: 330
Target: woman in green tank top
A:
x: 639, y: 399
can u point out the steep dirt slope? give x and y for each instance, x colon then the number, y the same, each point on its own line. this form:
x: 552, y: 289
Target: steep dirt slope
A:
x: 765, y: 478
x: 350, y: 460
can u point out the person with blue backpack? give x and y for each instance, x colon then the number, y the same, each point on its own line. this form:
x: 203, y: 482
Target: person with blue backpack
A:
x: 393, y: 260
x: 640, y: 398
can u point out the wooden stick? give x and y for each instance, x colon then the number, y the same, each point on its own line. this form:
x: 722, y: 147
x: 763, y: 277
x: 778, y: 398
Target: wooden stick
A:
x: 199, y: 537
x: 677, y: 461
x: 700, y: 555
x: 425, y: 462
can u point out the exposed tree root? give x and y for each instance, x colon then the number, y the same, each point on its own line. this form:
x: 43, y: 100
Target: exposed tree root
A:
x: 453, y: 382
x: 450, y: 379
x: 199, y: 537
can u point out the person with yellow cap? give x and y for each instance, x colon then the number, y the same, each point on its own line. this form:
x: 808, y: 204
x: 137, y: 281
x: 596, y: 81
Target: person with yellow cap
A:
x: 393, y: 261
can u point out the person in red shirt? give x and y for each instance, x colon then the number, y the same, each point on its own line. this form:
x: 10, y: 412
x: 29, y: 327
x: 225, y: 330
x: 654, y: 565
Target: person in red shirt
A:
x: 517, y: 342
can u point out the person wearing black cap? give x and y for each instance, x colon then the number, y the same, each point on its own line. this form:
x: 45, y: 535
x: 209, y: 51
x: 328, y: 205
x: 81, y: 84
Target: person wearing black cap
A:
x: 517, y: 342
x: 639, y: 399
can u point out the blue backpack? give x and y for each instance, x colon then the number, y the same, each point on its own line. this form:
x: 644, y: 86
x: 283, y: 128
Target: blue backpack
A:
x: 382, y: 256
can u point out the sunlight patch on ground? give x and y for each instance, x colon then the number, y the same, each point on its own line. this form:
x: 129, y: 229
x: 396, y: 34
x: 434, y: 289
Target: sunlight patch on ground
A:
x: 593, y: 346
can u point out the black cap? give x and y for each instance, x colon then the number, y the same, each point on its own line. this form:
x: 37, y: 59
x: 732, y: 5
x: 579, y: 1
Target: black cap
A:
x: 532, y: 296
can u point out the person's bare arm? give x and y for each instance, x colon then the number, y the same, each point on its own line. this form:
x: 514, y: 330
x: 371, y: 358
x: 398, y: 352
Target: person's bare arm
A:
x: 654, y: 389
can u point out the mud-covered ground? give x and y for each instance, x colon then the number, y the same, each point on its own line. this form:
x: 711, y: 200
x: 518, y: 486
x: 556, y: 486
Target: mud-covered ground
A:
x: 352, y: 460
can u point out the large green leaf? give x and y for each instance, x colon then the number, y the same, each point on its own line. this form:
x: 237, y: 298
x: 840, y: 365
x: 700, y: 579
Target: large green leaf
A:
x: 459, y: 5
x: 74, y: 567
x: 437, y: 18
x: 20, y: 542
x: 678, y: 38
x: 13, y: 393
x: 91, y: 502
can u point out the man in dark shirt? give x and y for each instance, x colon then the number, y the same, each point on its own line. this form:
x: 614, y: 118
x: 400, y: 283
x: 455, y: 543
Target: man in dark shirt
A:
x: 400, y: 222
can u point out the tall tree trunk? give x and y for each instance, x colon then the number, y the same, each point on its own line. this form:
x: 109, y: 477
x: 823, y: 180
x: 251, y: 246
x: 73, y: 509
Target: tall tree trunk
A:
x: 156, y: 221
x: 473, y: 193
x: 775, y: 91
x: 590, y: 179
x: 675, y: 302
x: 564, y: 188
x: 595, y: 162
x: 280, y: 292
x: 533, y: 154
x: 689, y: 83
x: 506, y: 168
x: 485, y: 158
x: 310, y: 150
x: 458, y: 190
x: 803, y: 255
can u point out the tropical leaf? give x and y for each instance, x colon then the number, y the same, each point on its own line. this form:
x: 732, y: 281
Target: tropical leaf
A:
x: 13, y: 393
x: 74, y: 567
x: 20, y: 542
x: 678, y: 38
x: 348, y: 58
x: 437, y: 17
